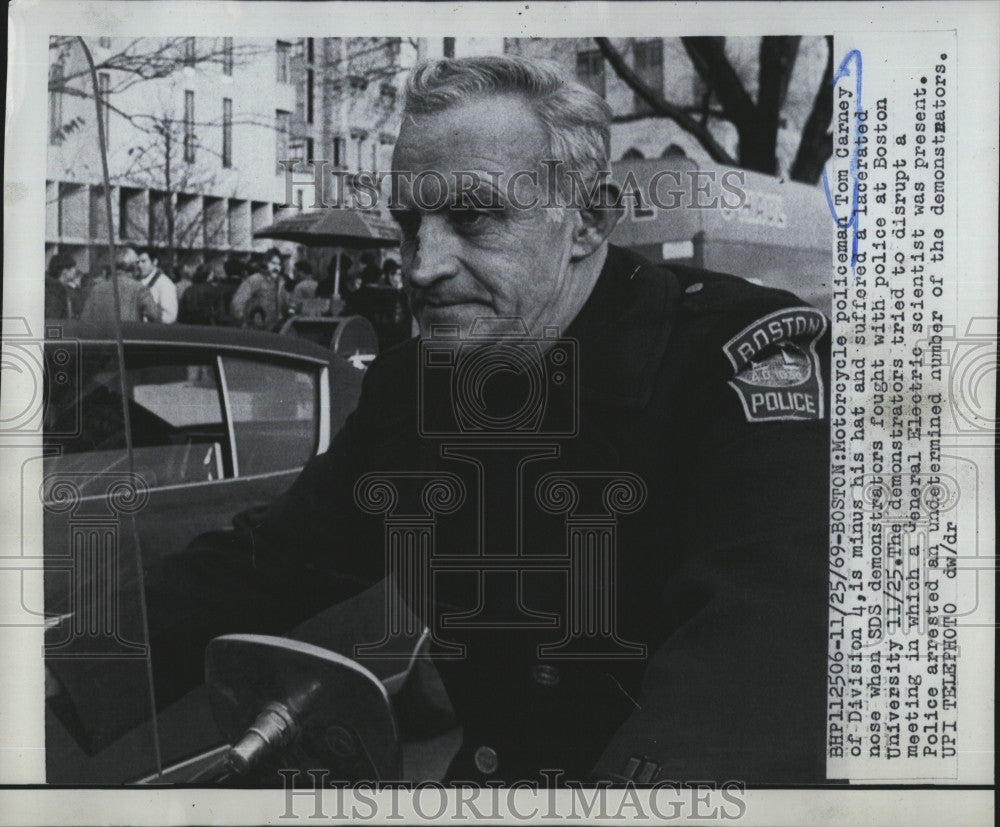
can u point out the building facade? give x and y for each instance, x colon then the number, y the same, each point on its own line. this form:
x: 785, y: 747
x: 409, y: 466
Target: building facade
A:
x: 201, y: 131
x: 192, y: 128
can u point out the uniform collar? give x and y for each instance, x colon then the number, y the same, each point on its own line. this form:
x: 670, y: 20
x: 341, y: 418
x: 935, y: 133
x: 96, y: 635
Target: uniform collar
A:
x: 623, y: 328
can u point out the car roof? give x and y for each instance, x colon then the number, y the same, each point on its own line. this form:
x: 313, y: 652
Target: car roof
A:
x: 193, y: 335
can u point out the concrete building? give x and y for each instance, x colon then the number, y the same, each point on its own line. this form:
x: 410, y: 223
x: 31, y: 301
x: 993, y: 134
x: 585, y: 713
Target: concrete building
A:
x: 347, y: 109
x: 194, y: 127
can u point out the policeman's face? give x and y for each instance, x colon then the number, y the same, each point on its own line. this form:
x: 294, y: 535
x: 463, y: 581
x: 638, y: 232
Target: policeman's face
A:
x: 462, y: 263
x: 146, y: 265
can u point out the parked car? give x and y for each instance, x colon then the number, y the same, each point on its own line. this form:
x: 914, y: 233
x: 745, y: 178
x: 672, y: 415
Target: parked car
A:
x: 222, y: 420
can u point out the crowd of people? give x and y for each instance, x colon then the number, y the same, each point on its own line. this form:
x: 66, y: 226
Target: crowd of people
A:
x: 260, y: 291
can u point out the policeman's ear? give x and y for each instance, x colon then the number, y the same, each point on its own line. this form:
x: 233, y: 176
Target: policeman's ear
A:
x: 596, y: 220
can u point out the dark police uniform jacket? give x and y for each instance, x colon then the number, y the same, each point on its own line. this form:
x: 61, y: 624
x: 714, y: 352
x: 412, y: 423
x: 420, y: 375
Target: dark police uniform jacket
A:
x: 689, y: 421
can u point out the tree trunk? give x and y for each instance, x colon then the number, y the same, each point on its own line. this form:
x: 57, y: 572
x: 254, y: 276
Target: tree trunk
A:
x: 816, y: 144
x: 759, y: 147
x: 169, y: 200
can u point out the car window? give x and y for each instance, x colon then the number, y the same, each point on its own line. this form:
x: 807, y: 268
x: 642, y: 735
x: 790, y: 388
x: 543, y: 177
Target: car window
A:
x: 275, y: 413
x: 175, y: 407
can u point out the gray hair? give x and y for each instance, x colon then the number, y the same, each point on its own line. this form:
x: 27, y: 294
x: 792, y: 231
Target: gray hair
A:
x: 576, y: 120
x: 125, y: 258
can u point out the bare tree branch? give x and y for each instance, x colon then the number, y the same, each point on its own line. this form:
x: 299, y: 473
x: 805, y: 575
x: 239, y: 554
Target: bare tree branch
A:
x: 144, y: 59
x: 708, y: 54
x: 662, y: 107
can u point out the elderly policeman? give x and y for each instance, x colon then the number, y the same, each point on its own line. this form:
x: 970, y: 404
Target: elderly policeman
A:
x: 666, y: 619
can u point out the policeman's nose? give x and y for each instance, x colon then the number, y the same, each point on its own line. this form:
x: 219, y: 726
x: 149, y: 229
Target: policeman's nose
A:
x: 431, y: 252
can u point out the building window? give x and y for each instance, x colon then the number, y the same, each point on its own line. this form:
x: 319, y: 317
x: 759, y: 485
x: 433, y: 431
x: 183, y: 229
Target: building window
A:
x: 104, y: 83
x: 387, y: 91
x: 227, y: 133
x: 310, y: 49
x: 359, y: 135
x: 310, y: 150
x: 126, y: 199
x: 339, y: 152
x: 283, y: 65
x: 590, y: 70
x: 648, y: 56
x: 282, y: 128
x: 189, y: 51
x: 310, y: 83
x: 227, y: 56
x: 448, y: 47
x: 189, y: 127
x: 55, y: 103
x: 104, y: 42
x: 392, y: 47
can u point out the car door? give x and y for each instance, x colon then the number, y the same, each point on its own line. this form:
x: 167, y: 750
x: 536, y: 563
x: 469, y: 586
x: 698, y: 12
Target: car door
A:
x: 214, y: 432
x: 242, y: 424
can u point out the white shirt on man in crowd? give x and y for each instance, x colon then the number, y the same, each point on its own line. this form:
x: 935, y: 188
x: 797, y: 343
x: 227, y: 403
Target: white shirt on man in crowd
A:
x: 160, y: 285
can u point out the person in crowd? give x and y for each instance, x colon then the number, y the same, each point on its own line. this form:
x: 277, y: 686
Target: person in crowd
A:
x: 326, y: 288
x: 64, y: 294
x: 159, y: 284
x: 399, y: 323
x: 185, y: 278
x: 265, y: 282
x: 370, y: 271
x: 390, y: 269
x: 137, y: 302
x: 200, y: 302
x: 261, y: 301
x: 305, y: 285
x: 234, y: 268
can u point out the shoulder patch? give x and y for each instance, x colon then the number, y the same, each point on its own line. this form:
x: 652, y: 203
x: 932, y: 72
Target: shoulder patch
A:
x: 776, y: 368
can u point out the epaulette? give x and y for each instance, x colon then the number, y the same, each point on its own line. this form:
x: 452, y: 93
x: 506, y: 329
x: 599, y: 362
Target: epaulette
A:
x: 768, y: 337
x: 708, y: 291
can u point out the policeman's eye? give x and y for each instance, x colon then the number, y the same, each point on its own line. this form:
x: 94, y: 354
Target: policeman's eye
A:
x: 467, y: 217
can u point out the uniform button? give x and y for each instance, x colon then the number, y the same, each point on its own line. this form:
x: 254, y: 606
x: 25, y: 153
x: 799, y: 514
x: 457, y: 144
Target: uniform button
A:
x: 486, y: 760
x: 694, y: 288
x: 545, y: 675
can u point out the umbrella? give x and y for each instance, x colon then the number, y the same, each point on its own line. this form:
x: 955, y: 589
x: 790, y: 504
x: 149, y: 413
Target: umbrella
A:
x: 335, y: 228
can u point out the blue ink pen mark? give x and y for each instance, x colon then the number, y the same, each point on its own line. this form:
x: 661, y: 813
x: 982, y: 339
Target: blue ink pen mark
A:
x: 850, y: 65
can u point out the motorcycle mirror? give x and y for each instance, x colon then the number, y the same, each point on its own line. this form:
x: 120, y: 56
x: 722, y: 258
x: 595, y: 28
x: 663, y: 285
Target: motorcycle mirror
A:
x: 284, y: 704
